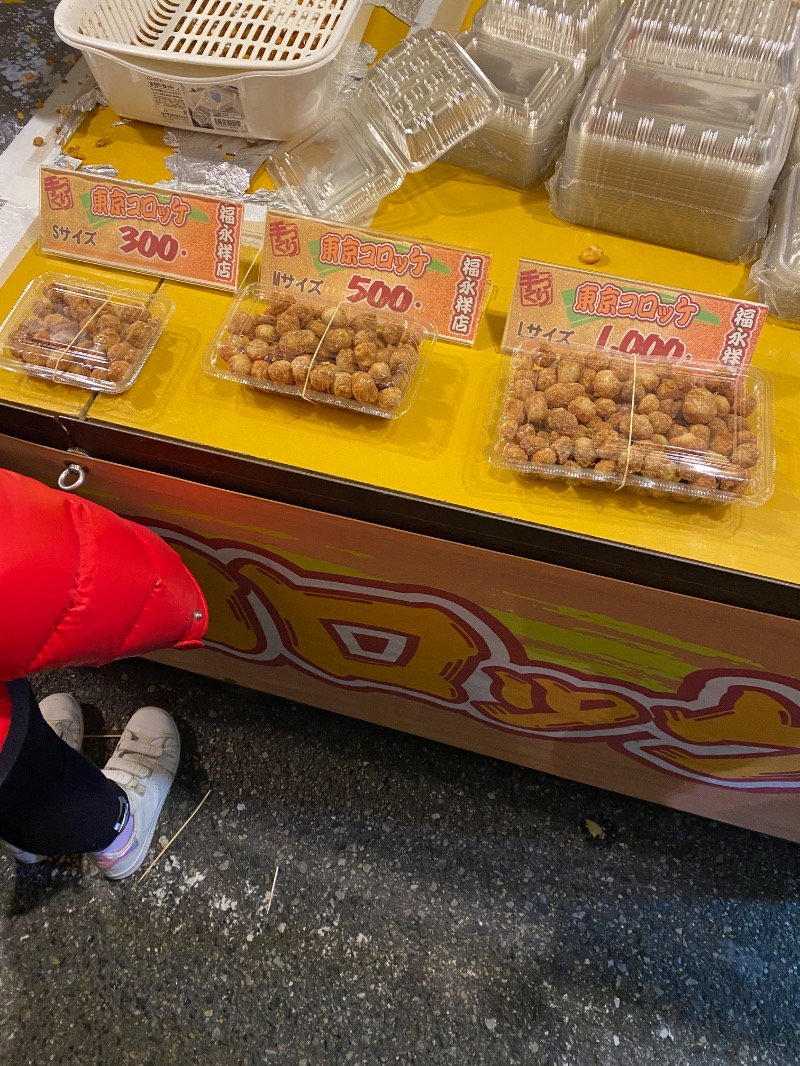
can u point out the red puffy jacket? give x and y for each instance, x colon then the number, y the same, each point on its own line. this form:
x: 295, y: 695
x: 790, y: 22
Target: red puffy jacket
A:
x: 80, y: 586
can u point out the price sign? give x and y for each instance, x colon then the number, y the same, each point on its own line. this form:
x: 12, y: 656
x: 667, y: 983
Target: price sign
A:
x: 447, y: 286
x: 570, y: 306
x: 185, y: 236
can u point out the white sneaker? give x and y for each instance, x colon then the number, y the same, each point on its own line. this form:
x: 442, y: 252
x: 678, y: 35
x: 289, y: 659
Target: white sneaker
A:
x: 144, y: 764
x: 63, y: 714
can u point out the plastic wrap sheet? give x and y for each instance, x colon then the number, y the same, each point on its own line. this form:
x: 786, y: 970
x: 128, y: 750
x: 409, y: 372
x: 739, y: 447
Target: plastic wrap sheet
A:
x: 766, y: 284
x: 15, y: 221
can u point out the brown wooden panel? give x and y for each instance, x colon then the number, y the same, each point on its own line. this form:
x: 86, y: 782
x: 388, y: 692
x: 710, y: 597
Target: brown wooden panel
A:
x: 671, y: 698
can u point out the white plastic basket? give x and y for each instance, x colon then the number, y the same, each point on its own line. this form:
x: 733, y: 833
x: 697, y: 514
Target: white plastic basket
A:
x: 262, y: 68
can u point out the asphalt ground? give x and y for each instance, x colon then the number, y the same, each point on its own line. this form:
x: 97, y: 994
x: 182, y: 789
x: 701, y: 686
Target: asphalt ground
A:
x: 431, y: 906
x: 32, y: 62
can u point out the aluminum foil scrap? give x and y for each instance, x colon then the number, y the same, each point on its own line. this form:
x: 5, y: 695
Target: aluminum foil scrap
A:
x: 66, y: 162
x: 73, y: 115
x: 352, y: 63
x: 414, y: 13
x: 217, y: 165
x: 101, y: 170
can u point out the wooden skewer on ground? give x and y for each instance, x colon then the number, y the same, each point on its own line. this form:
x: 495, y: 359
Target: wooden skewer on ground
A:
x: 272, y: 890
x: 169, y: 843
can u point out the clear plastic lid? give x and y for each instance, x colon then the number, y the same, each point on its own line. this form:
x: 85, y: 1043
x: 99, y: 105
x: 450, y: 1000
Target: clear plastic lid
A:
x: 75, y: 332
x: 569, y: 27
x: 538, y: 87
x: 428, y: 95
x: 687, y: 136
x: 752, y: 40
x: 344, y: 355
x: 340, y: 168
x: 694, y: 433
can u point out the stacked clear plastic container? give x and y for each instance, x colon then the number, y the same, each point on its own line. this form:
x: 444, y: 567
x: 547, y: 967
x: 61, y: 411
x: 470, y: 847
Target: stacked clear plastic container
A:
x: 566, y: 27
x: 536, y: 55
x: 775, y: 278
x: 680, y: 138
x: 747, y: 40
x: 418, y: 101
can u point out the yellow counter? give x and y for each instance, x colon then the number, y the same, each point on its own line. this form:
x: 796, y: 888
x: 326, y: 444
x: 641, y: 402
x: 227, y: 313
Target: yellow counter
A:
x: 439, y: 449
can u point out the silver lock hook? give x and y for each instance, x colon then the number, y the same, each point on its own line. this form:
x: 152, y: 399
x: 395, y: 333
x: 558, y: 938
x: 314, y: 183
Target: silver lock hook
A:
x: 72, y: 477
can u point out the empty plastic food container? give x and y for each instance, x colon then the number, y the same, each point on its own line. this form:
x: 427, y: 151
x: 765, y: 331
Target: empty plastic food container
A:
x: 263, y: 69
x: 694, y: 433
x: 340, y: 168
x: 776, y: 276
x: 686, y: 160
x: 749, y: 40
x: 76, y: 332
x: 519, y: 144
x: 569, y: 27
x: 428, y: 94
x: 420, y: 100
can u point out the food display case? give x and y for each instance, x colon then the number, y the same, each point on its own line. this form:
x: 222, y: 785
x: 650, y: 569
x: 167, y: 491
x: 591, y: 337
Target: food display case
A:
x: 393, y: 570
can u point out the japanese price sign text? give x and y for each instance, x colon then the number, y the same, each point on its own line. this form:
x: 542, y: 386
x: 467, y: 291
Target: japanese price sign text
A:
x: 446, y: 285
x: 570, y: 306
x: 136, y: 227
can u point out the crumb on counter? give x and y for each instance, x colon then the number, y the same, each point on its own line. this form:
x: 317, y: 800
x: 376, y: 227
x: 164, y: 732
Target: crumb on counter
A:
x: 592, y: 254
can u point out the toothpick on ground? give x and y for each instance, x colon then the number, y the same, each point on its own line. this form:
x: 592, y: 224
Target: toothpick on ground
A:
x: 169, y: 843
x: 272, y: 890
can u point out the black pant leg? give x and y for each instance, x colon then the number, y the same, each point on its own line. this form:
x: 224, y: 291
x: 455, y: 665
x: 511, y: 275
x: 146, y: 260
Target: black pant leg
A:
x: 53, y: 800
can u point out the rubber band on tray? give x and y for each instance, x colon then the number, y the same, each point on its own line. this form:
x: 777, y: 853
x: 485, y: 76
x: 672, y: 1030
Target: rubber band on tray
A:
x: 256, y: 259
x: 316, y: 350
x: 630, y: 424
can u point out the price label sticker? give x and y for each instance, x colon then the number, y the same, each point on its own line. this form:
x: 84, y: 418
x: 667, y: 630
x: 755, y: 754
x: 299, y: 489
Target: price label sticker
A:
x: 186, y: 236
x: 447, y: 286
x: 571, y: 306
